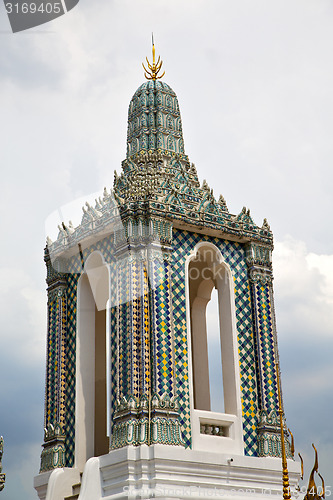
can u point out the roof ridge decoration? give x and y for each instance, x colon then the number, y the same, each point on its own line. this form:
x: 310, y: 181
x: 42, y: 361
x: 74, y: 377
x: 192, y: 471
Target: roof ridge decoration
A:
x: 170, y: 185
x: 223, y: 204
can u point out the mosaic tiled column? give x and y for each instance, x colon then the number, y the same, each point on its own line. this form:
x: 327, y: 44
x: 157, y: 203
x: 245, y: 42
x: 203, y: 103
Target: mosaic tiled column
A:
x: 53, y: 454
x: 261, y: 280
x: 146, y: 410
x: 162, y: 325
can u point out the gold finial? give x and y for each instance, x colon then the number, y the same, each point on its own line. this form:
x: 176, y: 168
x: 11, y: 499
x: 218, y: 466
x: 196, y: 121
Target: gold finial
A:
x: 285, y: 473
x: 153, y: 69
x: 312, y: 492
x: 302, y: 466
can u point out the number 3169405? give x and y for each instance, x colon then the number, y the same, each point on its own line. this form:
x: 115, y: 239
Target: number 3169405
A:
x: 32, y: 8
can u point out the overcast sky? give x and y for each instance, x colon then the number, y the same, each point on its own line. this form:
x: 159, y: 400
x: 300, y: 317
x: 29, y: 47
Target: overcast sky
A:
x: 254, y: 81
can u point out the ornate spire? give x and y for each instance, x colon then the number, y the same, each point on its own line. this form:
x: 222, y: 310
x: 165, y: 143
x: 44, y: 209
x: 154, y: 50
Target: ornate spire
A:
x: 153, y: 69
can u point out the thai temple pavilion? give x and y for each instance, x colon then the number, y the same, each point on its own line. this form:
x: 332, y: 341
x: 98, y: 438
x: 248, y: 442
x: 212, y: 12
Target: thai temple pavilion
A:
x: 128, y: 406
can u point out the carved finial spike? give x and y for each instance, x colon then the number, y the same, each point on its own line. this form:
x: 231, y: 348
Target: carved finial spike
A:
x: 312, y: 487
x: 222, y: 200
x: 266, y: 225
x: 193, y: 169
x: 302, y: 466
x: 292, y: 446
x: 205, y: 185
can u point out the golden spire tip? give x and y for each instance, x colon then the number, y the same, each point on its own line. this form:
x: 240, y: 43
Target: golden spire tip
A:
x: 153, y: 69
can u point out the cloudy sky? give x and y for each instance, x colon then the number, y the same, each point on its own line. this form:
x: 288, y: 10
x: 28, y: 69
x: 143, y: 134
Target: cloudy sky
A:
x: 254, y: 82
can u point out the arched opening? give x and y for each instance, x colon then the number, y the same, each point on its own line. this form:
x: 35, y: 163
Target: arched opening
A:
x: 215, y: 384
x: 214, y: 354
x: 91, y: 437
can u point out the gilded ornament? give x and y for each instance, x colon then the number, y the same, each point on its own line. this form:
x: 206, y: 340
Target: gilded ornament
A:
x: 154, y: 68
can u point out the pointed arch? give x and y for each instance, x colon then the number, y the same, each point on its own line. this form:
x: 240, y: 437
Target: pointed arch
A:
x: 168, y: 102
x: 143, y: 120
x: 160, y: 140
x: 143, y: 141
x: 169, y: 122
x: 159, y: 119
x: 170, y: 143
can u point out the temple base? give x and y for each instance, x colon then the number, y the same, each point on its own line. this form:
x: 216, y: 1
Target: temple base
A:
x: 166, y: 472
x: 56, y: 484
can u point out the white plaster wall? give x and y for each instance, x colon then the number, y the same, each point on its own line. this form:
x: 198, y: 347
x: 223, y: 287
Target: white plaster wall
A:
x: 85, y: 375
x: 160, y: 471
x: 93, y: 290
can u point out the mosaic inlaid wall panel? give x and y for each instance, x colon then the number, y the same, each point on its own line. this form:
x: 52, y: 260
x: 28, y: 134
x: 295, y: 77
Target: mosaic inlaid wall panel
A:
x: 234, y: 255
x: 75, y: 270
x: 55, y: 384
x: 262, y: 296
x: 163, y: 348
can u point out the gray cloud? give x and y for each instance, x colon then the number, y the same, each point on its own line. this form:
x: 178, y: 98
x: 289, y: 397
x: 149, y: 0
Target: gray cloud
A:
x: 254, y: 84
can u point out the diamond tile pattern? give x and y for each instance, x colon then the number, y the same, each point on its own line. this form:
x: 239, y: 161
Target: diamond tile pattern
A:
x: 124, y: 308
x: 75, y: 269
x: 162, y: 328
x: 145, y: 329
x: 72, y: 281
x: 55, y: 383
x: 137, y: 344
x: 51, y: 382
x: 265, y: 336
